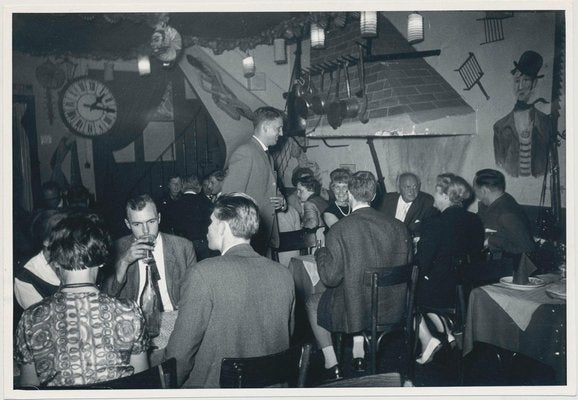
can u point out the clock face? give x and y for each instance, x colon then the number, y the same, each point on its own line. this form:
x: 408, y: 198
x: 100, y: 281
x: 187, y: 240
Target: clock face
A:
x: 88, y: 107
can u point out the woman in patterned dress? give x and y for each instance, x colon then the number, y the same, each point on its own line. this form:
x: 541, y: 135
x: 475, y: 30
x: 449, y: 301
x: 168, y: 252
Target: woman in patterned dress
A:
x: 79, y: 335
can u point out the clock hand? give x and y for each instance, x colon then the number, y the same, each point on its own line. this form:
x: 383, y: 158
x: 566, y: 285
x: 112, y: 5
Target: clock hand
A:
x: 95, y: 107
x: 105, y: 109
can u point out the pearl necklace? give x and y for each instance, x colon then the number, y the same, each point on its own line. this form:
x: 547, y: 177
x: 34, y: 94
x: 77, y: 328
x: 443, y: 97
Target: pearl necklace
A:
x: 348, y: 209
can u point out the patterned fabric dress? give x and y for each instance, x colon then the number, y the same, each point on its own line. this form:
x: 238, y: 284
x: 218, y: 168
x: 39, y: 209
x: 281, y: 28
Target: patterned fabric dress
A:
x: 80, y: 338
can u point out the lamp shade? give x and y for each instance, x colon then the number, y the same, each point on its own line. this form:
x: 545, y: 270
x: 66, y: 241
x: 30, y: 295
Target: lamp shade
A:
x: 368, y: 23
x: 414, y: 28
x: 317, y: 36
x: 144, y: 65
x: 280, y: 51
x: 248, y: 66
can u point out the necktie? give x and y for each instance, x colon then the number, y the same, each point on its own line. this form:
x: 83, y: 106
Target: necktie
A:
x: 522, y: 105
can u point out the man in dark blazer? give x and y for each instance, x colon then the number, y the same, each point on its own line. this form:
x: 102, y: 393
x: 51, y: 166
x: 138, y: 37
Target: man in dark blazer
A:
x: 251, y: 171
x: 409, y: 205
x: 508, y: 232
x: 173, y: 256
x: 191, y: 213
x: 239, y: 304
x: 522, y: 137
x: 363, y: 240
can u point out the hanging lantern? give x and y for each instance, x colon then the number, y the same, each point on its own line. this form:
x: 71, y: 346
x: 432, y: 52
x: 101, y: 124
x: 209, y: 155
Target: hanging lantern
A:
x: 368, y: 23
x: 144, y: 65
x: 414, y: 28
x: 108, y: 71
x: 280, y: 51
x: 248, y: 66
x: 317, y: 36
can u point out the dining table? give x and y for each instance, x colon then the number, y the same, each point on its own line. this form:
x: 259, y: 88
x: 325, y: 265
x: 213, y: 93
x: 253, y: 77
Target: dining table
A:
x: 526, y: 320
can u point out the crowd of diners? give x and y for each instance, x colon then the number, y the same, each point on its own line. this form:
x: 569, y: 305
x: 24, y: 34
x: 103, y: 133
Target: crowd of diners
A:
x: 81, y: 294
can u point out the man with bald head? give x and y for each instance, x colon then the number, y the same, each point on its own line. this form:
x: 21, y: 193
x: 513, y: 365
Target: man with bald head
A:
x: 409, y: 205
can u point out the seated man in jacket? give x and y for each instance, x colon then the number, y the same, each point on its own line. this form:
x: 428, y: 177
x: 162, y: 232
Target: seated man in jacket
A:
x: 507, y: 229
x: 366, y: 239
x: 239, y: 304
x: 410, y: 205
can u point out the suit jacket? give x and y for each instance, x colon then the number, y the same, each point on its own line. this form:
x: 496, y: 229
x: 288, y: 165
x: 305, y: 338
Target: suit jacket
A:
x: 191, y: 216
x: 365, y: 239
x: 506, y: 217
x: 179, y: 256
x: 236, y: 305
x: 420, y: 210
x: 507, y: 144
x: 250, y: 171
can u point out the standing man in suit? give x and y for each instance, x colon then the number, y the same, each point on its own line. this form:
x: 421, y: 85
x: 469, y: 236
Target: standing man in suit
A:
x: 365, y: 239
x: 409, y: 205
x: 192, y: 212
x: 237, y: 305
x: 173, y: 256
x: 521, y: 138
x: 251, y: 171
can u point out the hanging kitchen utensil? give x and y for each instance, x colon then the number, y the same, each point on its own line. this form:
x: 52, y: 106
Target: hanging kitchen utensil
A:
x: 303, y: 104
x: 363, y: 114
x: 51, y: 77
x: 471, y: 74
x: 350, y: 106
x: 334, y: 114
x: 318, y: 100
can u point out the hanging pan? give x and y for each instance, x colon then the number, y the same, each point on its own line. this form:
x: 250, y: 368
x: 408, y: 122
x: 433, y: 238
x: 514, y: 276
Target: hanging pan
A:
x: 334, y: 114
x: 350, y: 106
x: 304, y: 103
x: 318, y: 100
x: 363, y: 114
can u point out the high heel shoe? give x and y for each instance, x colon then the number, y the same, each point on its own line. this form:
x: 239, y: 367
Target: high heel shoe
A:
x: 433, y: 346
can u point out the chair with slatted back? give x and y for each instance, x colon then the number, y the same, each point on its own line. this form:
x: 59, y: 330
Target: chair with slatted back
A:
x: 163, y: 376
x: 284, y: 369
x: 302, y: 240
x: 381, y: 279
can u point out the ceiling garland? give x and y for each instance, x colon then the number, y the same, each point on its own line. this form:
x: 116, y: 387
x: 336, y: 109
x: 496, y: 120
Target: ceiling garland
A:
x: 293, y: 27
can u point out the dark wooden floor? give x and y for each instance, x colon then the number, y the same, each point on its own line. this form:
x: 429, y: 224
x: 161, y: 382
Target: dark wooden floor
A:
x: 486, y: 365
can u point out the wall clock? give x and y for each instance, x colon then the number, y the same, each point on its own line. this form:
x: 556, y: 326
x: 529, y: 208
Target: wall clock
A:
x: 88, y: 107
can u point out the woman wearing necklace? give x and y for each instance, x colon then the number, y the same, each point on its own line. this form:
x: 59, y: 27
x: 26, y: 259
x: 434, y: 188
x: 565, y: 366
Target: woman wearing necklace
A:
x: 340, y: 207
x: 79, y: 335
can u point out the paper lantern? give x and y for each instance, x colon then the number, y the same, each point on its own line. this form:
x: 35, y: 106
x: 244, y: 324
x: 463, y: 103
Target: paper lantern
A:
x: 368, y: 23
x: 317, y: 36
x: 414, y: 28
x: 108, y: 71
x: 144, y: 65
x: 280, y: 51
x: 248, y: 66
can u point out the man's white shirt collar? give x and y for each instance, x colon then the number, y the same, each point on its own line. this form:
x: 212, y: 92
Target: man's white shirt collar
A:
x: 189, y: 192
x: 261, y: 143
x: 357, y: 207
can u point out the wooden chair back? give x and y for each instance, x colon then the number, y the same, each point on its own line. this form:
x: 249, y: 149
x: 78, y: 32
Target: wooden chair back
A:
x: 286, y: 368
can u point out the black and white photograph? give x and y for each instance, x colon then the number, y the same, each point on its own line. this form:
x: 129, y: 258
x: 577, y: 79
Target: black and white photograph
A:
x: 357, y: 200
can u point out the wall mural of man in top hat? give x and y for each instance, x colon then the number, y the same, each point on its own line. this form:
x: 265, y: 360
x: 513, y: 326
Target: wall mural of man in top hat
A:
x: 521, y: 138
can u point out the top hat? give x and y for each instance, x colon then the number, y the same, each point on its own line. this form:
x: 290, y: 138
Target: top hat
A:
x: 529, y: 64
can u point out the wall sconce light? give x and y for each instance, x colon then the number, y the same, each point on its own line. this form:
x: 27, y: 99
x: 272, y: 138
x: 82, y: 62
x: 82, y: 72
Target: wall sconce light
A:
x: 108, y: 71
x: 144, y: 65
x: 280, y: 51
x: 317, y: 36
x: 248, y: 66
x: 414, y: 28
x: 368, y: 23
